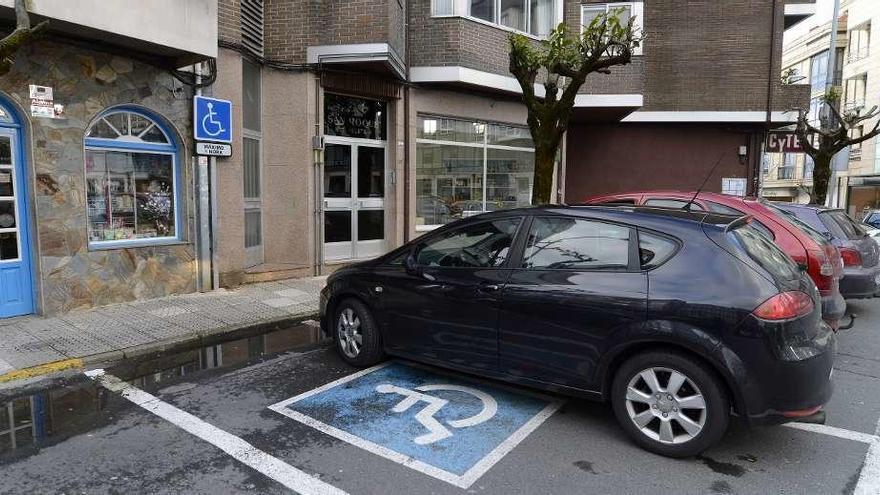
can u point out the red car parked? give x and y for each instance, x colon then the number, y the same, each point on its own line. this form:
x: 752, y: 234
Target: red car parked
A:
x: 805, y: 246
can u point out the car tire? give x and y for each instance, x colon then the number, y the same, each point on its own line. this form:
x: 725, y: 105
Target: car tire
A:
x: 679, y: 424
x: 356, y: 334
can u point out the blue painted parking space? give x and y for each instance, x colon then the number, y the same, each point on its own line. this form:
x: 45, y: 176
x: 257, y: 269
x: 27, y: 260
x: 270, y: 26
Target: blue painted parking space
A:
x: 445, y: 426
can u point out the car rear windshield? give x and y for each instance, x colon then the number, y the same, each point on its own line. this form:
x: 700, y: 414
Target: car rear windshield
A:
x: 765, y: 253
x: 841, y: 225
x: 793, y: 219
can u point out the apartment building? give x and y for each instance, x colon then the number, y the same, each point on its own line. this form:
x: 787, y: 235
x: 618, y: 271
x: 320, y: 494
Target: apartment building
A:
x: 855, y: 183
x: 358, y: 134
x: 96, y: 202
x: 789, y: 176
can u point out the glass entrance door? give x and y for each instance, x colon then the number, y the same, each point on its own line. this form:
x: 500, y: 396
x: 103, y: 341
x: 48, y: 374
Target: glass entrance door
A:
x: 354, y: 199
x: 16, y: 289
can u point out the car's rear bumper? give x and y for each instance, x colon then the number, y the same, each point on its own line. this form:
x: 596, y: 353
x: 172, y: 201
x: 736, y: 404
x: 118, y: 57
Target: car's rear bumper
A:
x: 833, y: 309
x: 859, y: 282
x: 791, y: 389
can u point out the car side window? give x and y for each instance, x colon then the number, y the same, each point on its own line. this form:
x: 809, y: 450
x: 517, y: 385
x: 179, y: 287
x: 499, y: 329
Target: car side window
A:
x: 654, y: 250
x: 677, y: 204
x: 724, y: 210
x: 483, y: 245
x: 576, y: 244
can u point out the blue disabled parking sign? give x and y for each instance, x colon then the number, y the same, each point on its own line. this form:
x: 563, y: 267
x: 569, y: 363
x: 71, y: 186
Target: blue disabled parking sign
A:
x: 212, y: 119
x: 447, y: 427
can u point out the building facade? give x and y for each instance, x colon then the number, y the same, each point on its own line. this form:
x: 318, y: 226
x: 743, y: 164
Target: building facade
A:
x: 95, y: 152
x: 789, y: 176
x: 358, y: 134
x: 855, y: 183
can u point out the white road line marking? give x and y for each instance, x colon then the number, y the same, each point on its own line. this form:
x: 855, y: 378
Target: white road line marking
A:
x: 856, y: 436
x: 869, y: 479
x: 239, y: 449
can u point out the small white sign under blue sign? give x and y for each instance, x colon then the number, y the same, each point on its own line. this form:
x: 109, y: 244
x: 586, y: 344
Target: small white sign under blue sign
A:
x: 212, y: 119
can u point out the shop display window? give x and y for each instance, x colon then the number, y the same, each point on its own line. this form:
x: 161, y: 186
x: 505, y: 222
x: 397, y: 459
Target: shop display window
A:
x: 464, y: 168
x: 131, y: 181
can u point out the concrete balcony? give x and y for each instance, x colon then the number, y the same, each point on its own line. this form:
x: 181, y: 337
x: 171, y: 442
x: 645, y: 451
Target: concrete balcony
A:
x: 798, y: 10
x: 174, y: 32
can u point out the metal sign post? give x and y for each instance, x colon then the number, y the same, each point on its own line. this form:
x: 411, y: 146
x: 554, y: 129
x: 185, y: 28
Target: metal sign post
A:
x: 212, y: 130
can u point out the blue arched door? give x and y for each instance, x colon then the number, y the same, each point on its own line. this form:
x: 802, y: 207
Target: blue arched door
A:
x: 16, y: 277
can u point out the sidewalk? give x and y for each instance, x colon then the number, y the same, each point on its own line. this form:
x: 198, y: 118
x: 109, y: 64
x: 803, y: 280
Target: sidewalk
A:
x: 34, y: 345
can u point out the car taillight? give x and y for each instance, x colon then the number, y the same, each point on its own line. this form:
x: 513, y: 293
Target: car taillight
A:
x: 826, y: 268
x: 820, y: 267
x: 851, y: 257
x: 785, y: 306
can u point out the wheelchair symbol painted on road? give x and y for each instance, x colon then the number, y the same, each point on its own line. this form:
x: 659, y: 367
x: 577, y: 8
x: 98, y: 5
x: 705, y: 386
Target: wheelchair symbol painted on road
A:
x: 426, y: 415
x: 449, y: 427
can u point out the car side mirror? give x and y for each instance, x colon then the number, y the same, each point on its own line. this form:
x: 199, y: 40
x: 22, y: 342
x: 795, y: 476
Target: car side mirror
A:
x: 410, y: 264
x: 802, y: 267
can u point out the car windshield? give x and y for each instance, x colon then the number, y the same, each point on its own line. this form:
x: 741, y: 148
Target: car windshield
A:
x: 841, y: 225
x: 765, y: 253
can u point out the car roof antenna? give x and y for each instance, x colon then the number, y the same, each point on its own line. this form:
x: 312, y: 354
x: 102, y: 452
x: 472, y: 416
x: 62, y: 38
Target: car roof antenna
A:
x: 700, y: 189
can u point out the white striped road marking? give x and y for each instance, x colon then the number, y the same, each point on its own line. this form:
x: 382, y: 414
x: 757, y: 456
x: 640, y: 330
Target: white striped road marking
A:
x: 856, y: 436
x: 869, y: 480
x: 240, y: 450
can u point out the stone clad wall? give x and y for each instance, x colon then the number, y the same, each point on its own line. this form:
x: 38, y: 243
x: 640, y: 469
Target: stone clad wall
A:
x: 87, y: 82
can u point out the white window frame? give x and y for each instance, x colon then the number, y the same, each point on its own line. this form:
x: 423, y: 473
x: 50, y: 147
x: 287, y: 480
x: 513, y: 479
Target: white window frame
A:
x: 484, y: 145
x: 637, y: 11
x: 461, y: 8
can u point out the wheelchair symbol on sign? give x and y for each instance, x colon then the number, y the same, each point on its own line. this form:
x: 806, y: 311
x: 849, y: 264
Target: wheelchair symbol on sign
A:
x: 437, y: 431
x: 209, y: 119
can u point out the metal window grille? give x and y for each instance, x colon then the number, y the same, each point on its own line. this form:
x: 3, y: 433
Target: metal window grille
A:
x: 253, y: 228
x: 252, y: 26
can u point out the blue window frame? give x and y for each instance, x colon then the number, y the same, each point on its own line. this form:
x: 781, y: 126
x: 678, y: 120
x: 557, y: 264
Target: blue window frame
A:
x: 133, y: 180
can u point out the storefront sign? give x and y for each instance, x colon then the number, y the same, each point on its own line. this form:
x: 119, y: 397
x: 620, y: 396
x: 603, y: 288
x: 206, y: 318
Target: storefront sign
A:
x: 783, y: 142
x: 213, y: 149
x: 354, y: 117
x: 43, y: 102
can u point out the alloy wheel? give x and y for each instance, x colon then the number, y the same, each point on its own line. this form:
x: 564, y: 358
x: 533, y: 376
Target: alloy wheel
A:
x: 665, y: 405
x: 348, y: 329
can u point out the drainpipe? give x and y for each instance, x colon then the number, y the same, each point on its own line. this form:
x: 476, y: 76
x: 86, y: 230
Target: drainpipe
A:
x: 318, y: 158
x: 406, y: 126
x: 772, y: 78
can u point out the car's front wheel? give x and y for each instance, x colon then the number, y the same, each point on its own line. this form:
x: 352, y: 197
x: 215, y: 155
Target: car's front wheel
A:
x: 670, y: 404
x: 356, y: 334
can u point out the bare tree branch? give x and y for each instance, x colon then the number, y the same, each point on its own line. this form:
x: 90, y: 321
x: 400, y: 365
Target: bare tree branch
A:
x: 22, y: 34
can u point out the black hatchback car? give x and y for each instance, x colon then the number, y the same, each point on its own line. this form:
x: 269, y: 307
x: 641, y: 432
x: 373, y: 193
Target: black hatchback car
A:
x: 677, y: 318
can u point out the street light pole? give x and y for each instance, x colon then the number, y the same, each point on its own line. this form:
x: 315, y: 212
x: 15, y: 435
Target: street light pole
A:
x: 829, y: 84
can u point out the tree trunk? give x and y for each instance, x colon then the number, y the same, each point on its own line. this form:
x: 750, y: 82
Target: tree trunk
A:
x: 545, y: 163
x: 821, y: 176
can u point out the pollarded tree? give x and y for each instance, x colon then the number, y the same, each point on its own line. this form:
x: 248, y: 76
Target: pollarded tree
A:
x: 564, y: 61
x: 22, y: 34
x: 832, y: 136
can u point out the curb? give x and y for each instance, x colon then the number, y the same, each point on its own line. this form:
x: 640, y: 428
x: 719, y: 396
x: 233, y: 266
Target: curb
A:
x: 145, y: 351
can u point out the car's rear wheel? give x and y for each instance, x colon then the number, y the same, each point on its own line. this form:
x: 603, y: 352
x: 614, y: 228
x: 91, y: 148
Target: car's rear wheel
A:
x: 669, y: 404
x: 356, y: 334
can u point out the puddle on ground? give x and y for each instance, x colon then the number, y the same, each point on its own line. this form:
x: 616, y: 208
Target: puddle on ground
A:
x: 49, y: 416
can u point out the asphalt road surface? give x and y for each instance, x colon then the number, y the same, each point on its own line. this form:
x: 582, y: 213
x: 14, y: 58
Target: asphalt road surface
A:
x: 281, y: 413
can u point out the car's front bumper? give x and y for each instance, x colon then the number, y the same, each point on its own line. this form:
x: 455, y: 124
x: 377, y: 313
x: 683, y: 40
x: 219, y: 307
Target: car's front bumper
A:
x: 323, y: 301
x: 858, y: 282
